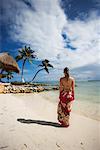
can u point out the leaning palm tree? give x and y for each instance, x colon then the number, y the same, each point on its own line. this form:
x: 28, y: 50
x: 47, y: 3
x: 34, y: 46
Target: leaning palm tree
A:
x: 25, y: 54
x: 45, y: 64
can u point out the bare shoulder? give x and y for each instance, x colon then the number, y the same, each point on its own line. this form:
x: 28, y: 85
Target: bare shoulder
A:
x: 71, y: 78
x: 61, y: 79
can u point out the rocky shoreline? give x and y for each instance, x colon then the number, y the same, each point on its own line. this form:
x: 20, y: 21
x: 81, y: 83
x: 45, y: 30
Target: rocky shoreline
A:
x: 25, y: 88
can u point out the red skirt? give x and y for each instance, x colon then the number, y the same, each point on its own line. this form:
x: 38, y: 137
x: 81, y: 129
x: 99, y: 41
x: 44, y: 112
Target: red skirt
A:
x: 63, y: 110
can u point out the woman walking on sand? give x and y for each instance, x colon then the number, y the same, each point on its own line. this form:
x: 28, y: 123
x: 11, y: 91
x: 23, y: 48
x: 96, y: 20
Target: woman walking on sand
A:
x: 66, y: 97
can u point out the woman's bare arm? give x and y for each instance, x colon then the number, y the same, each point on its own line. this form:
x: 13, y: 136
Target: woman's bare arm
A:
x: 73, y: 88
x: 61, y: 88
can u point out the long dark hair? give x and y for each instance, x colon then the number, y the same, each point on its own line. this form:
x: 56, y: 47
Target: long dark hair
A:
x: 66, y: 71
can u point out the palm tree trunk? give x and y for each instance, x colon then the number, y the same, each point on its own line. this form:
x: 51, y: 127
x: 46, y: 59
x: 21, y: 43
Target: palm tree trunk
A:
x: 22, y: 79
x: 36, y: 74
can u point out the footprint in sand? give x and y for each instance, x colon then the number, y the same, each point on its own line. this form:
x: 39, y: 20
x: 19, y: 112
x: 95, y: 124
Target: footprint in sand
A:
x: 3, y: 147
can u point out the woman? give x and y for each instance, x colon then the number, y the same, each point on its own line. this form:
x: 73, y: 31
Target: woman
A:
x: 66, y: 96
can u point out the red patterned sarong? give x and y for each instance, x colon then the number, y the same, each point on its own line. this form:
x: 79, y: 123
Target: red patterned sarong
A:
x: 63, y: 110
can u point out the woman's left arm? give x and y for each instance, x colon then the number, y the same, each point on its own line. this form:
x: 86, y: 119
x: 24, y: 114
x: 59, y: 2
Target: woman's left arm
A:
x: 73, y: 88
x: 69, y: 105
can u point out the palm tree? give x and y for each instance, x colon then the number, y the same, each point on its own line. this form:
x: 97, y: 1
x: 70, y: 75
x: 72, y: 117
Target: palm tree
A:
x: 45, y: 64
x: 9, y: 75
x: 25, y: 54
x: 2, y: 76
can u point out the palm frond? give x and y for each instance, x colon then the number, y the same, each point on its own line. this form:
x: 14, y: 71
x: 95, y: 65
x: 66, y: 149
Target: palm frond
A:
x: 19, y: 57
x: 40, y: 65
x: 44, y: 63
x: 20, y: 51
x: 33, y: 56
x: 49, y: 65
x: 46, y: 60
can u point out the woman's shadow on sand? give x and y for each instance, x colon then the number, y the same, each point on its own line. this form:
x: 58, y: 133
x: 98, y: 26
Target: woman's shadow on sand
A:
x: 40, y: 122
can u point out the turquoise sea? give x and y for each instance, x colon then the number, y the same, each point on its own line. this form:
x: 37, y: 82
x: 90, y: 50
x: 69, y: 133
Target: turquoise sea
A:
x: 87, y: 98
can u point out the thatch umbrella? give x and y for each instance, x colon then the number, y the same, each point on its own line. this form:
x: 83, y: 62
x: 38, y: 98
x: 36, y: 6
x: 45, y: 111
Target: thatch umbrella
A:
x: 7, y: 63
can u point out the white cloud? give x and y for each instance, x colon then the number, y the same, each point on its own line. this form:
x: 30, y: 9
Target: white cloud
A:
x: 85, y: 36
x: 42, y: 30
x: 42, y: 26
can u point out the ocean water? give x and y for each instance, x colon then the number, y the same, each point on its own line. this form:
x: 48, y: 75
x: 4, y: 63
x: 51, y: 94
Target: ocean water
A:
x: 88, y: 91
x: 87, y: 98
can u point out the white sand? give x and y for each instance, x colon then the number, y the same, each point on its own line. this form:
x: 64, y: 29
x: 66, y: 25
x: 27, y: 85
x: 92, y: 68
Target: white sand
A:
x: 83, y: 133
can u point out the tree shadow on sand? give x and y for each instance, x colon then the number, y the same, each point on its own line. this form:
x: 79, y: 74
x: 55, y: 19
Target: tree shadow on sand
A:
x: 40, y: 122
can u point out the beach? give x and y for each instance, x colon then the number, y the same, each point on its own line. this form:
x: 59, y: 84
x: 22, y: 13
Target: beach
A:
x: 29, y: 122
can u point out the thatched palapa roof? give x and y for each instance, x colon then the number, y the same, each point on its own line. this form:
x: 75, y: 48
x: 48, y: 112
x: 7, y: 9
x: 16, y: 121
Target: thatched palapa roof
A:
x: 8, y: 63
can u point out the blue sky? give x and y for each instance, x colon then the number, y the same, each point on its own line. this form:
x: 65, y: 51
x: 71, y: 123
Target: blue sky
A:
x: 67, y: 32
